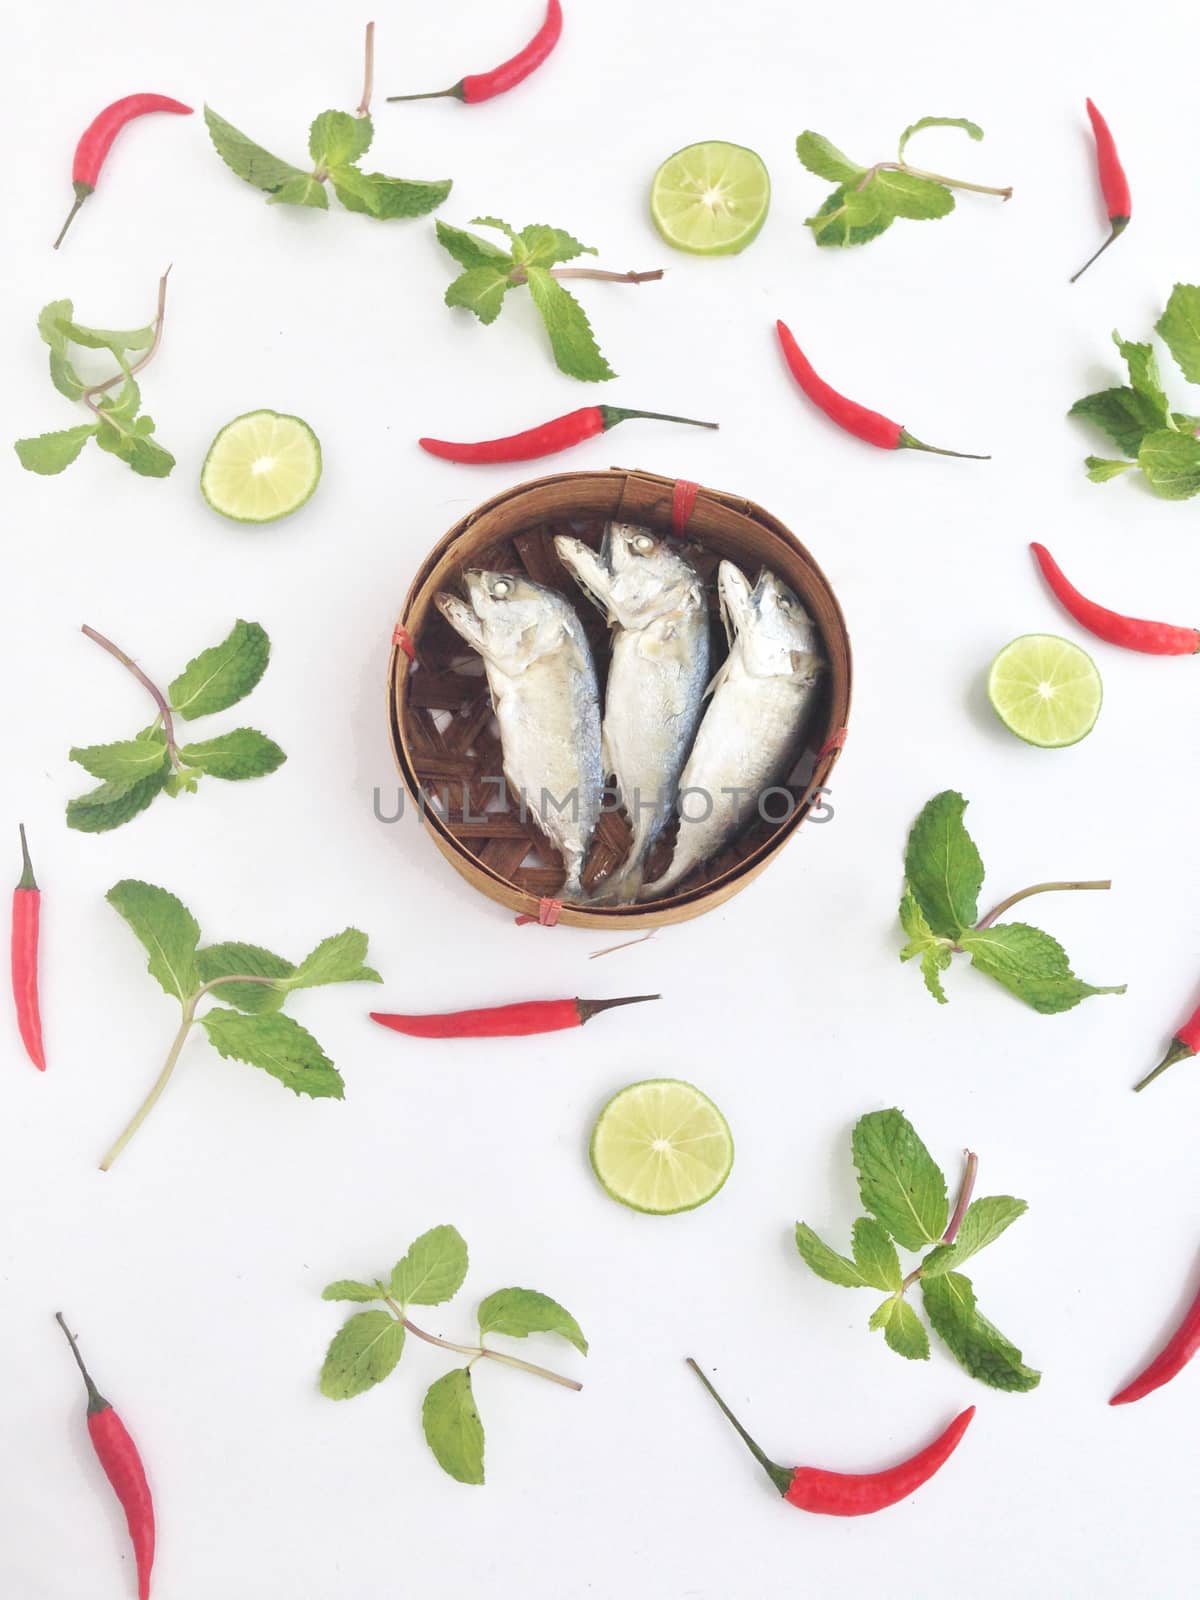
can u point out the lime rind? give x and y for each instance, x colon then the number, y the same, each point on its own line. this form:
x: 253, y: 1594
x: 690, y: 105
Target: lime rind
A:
x: 262, y: 466
x: 711, y: 198
x: 661, y: 1147
x: 1045, y: 690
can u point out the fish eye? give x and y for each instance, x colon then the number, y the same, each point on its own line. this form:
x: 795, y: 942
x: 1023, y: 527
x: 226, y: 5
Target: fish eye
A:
x: 643, y: 544
x: 500, y: 589
x: 785, y: 601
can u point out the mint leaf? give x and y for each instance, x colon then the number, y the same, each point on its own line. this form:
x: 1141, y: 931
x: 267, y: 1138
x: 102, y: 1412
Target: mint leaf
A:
x: 339, y: 959
x: 221, y: 676
x: 1179, y: 329
x: 481, y: 290
x: 898, y: 1179
x: 243, y: 753
x: 1100, y: 470
x: 943, y: 868
x: 902, y: 1328
x: 1144, y: 376
x: 979, y: 1347
x: 541, y: 246
x: 934, y: 953
x: 826, y: 1263
x: 147, y: 458
x: 362, y: 1354
x: 875, y: 1255
x: 519, y: 1312
x: 849, y: 216
x: 279, y: 1046
x: 347, y: 1289
x: 116, y: 340
x: 167, y: 930
x: 452, y: 1426
x: 575, y: 349
x: 124, y: 762
x: 125, y: 405
x: 114, y: 804
x: 247, y: 159
x: 1184, y: 423
x: 984, y: 1222
x: 233, y: 959
x: 903, y: 195
x: 302, y: 191
x: 1031, y: 965
x: 433, y: 1268
x: 469, y: 250
x: 384, y: 197
x: 64, y: 377
x: 495, y: 222
x: 50, y: 324
x: 971, y: 129
x: 336, y: 138
x: 51, y: 453
x: 826, y: 160
x: 1171, y: 462
x: 1123, y: 414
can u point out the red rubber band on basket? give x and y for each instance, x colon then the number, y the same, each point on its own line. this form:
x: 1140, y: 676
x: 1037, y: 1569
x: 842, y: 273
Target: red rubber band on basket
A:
x: 547, y: 915
x: 834, y: 742
x: 683, y: 503
x: 402, y: 637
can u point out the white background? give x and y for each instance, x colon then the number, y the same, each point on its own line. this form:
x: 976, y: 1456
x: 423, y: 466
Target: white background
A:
x: 193, y: 1271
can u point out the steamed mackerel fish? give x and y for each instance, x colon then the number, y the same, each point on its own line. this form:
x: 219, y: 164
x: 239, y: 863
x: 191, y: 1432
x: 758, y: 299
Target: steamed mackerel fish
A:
x: 654, y: 601
x: 547, y: 703
x: 750, y: 735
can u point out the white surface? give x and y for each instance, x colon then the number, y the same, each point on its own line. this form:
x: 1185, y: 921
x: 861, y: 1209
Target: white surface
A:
x: 193, y: 1272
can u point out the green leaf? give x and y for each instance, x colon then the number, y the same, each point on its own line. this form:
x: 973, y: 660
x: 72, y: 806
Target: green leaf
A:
x: 984, y: 1222
x: 469, y: 250
x: 481, y: 290
x: 64, y: 377
x: 943, y: 868
x: 50, y: 453
x: 233, y: 959
x: 114, y: 804
x: 875, y: 1255
x: 826, y: 160
x: 972, y: 1340
x: 518, y: 1312
x: 903, y: 195
x: 147, y: 458
x: 575, y: 349
x: 50, y: 324
x: 1144, y: 376
x: 125, y: 762
x: 124, y: 406
x: 1123, y: 414
x: 1179, y: 329
x: 386, y: 198
x: 934, y: 953
x: 362, y: 1354
x: 1100, y: 469
x: 302, y: 191
x: 242, y: 753
x: 542, y: 246
x: 452, y: 1426
x: 898, y: 1179
x: 902, y: 1328
x: 1184, y: 423
x: 1171, y: 462
x: 339, y: 959
x: 221, y: 676
x: 279, y: 1046
x: 337, y: 138
x: 850, y: 216
x: 971, y: 129
x: 166, y: 928
x: 249, y: 160
x: 826, y: 1263
x: 348, y: 1289
x: 1031, y: 965
x: 118, y: 340
x: 432, y: 1270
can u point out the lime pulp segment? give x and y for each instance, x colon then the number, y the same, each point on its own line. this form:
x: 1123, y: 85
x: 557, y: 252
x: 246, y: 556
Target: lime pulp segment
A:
x: 261, y: 466
x: 1046, y: 690
x: 661, y: 1146
x: 710, y: 199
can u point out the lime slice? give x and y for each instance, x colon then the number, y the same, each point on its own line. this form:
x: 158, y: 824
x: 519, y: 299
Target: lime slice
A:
x: 661, y: 1146
x: 710, y: 199
x: 1046, y: 690
x: 261, y: 467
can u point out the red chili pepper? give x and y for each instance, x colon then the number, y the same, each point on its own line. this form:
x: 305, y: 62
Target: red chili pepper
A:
x: 559, y: 434
x: 123, y: 1468
x: 1171, y: 1360
x: 1153, y: 638
x: 499, y: 1022
x: 26, y: 922
x: 870, y: 426
x: 97, y: 138
x: 486, y: 85
x: 850, y: 1494
x: 1114, y: 185
x: 1185, y: 1043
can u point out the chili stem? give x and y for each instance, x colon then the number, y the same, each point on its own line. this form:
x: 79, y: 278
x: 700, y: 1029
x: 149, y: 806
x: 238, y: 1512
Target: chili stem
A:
x: 1037, y: 888
x: 160, y: 1083
x: 96, y: 1401
x: 966, y: 1189
x: 933, y: 177
x: 364, y: 105
x: 476, y: 1350
x: 1178, y: 1052
x: 156, y: 694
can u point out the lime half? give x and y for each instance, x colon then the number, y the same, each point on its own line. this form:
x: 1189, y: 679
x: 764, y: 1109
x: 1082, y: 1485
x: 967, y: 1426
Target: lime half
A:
x: 1046, y: 690
x: 661, y: 1146
x: 261, y: 467
x: 710, y: 199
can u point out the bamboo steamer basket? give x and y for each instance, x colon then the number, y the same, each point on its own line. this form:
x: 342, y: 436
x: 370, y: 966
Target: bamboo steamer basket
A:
x: 442, y: 728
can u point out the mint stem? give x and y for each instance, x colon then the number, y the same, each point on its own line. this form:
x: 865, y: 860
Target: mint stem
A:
x: 147, y: 355
x: 364, y: 105
x: 160, y: 1083
x: 966, y: 1189
x: 476, y: 1350
x: 156, y: 694
x: 518, y: 274
x: 932, y: 177
x: 1037, y: 888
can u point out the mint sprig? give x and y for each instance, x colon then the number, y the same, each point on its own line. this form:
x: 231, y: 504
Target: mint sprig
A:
x: 370, y: 1344
x: 1160, y: 443
x: 868, y: 200
x: 531, y: 259
x: 905, y: 1193
x: 940, y: 905
x: 133, y: 772
x: 117, y: 425
x: 255, y: 981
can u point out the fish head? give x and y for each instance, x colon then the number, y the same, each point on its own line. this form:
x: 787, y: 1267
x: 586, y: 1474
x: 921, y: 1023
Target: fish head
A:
x: 768, y: 626
x: 509, y: 619
x: 648, y: 579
